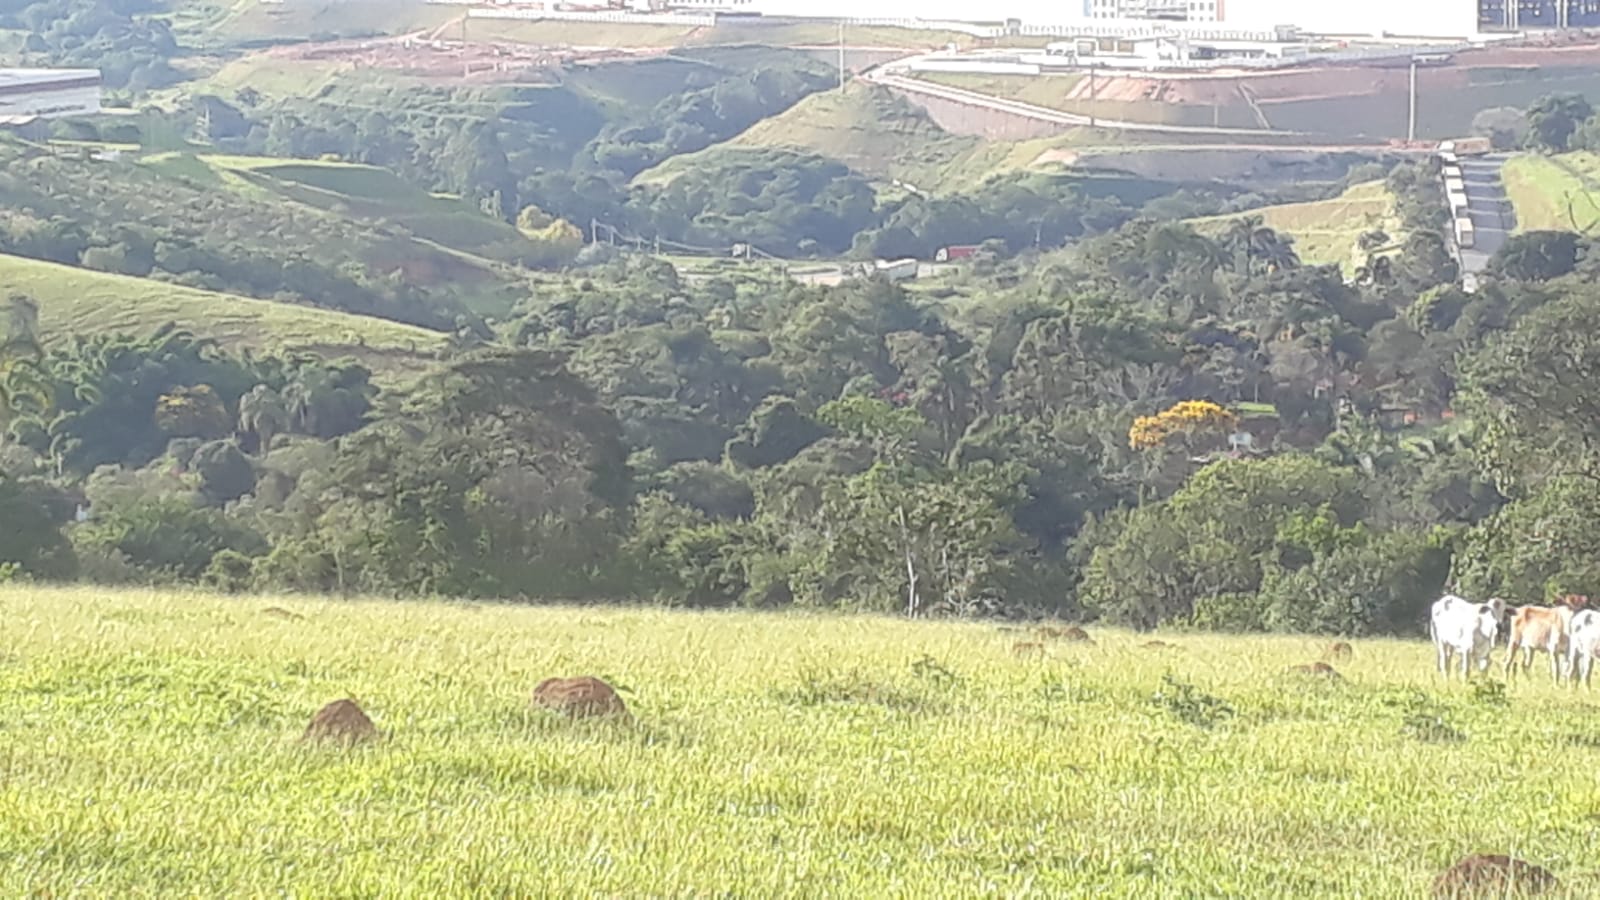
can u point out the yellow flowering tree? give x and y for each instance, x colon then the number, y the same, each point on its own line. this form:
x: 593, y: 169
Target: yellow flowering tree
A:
x: 1187, y: 421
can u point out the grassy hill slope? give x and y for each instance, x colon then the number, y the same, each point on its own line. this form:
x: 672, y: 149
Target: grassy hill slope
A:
x: 75, y: 301
x: 879, y: 134
x: 363, y: 192
x: 1560, y: 193
x: 157, y: 737
x: 247, y: 225
x: 1325, y: 231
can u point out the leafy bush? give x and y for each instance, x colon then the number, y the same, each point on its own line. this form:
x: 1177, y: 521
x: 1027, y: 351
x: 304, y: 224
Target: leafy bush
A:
x: 166, y: 537
x: 1188, y: 704
x: 1425, y: 720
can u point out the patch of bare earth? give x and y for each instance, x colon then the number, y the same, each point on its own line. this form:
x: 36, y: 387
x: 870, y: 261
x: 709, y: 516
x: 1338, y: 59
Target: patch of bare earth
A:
x: 581, y: 697
x: 341, y: 721
x: 1492, y: 875
x: 1319, y: 669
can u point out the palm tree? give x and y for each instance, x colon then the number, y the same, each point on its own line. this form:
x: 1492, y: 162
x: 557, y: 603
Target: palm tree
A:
x: 24, y: 386
x: 263, y: 413
x: 1378, y: 270
x: 1255, y: 248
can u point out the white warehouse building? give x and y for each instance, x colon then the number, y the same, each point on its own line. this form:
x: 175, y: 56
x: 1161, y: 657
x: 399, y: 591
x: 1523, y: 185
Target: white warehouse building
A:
x: 27, y: 94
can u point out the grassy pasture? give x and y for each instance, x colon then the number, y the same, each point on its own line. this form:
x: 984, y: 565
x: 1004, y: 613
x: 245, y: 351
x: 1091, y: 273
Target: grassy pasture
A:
x: 151, y: 747
x: 1554, y: 194
x: 76, y: 301
x: 1049, y: 91
x: 373, y: 193
x: 441, y: 241
x: 279, y: 77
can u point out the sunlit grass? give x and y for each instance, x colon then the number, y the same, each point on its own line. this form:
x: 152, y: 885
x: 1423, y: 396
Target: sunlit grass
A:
x: 1557, y: 194
x: 1328, y: 231
x: 74, y: 301
x: 149, y: 744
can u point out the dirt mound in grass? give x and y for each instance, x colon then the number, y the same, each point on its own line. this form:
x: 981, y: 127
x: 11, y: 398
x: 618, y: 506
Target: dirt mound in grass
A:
x: 579, y: 697
x: 1071, y: 633
x: 278, y: 612
x: 341, y: 721
x: 1158, y: 645
x: 1320, y: 669
x: 1492, y: 875
x: 1027, y: 648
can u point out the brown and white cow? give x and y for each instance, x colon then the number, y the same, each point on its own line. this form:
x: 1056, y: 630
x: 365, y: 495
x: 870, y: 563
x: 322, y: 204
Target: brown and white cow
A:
x: 1542, y: 628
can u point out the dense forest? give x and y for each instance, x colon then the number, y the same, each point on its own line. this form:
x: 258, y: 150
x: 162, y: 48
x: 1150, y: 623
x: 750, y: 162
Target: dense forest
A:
x: 1072, y: 444
x: 1113, y: 414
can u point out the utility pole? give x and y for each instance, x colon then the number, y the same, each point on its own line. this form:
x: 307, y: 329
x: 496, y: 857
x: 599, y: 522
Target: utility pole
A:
x: 1411, y: 122
x: 1091, y: 94
x: 841, y: 56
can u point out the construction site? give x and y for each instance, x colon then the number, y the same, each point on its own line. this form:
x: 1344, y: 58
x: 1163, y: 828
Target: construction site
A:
x: 445, y: 54
x: 1402, y: 92
x: 1331, y: 90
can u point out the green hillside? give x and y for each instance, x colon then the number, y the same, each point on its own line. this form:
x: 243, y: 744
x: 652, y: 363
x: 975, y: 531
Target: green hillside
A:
x: 1554, y: 193
x: 364, y: 192
x: 74, y: 301
x: 881, y: 135
x: 330, y: 234
x: 1326, y: 231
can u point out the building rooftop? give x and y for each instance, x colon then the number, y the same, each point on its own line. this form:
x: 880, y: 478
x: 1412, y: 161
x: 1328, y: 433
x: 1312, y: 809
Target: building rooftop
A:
x: 18, y: 78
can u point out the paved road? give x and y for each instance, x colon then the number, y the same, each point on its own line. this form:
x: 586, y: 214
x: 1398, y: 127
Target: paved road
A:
x: 886, y: 77
x: 1492, y: 216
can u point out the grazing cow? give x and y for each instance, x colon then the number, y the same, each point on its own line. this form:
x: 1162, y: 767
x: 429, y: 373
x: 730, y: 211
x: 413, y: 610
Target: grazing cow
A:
x: 1542, y: 628
x: 1583, y: 645
x: 1460, y: 626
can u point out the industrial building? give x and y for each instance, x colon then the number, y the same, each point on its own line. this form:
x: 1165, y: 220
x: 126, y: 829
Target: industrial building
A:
x: 1518, y: 15
x: 1344, y: 18
x: 28, y: 94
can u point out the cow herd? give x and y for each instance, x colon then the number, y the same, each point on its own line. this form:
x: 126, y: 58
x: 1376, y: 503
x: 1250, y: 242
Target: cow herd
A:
x: 1568, y: 631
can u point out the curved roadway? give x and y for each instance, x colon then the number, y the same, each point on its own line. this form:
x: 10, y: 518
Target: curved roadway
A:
x: 888, y: 76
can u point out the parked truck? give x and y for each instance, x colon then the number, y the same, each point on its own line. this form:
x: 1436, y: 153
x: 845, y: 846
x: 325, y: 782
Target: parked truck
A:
x: 1472, y: 146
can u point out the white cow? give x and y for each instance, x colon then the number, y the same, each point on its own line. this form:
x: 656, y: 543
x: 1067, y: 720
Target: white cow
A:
x: 1461, y: 626
x: 1583, y: 645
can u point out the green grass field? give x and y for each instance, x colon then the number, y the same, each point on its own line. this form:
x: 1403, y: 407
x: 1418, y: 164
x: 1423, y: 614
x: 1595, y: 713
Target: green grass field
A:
x: 372, y: 193
x: 278, y: 77
x: 151, y: 746
x: 80, y: 301
x: 1325, y: 231
x: 1049, y: 91
x: 1554, y: 194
